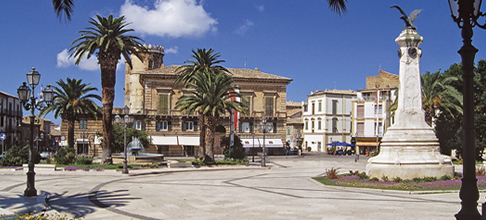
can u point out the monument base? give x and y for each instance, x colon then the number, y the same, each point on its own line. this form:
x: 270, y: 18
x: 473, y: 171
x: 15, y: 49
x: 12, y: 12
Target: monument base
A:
x: 409, y: 153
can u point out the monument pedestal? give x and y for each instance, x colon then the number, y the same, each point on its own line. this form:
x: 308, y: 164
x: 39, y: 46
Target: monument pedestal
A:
x: 409, y: 148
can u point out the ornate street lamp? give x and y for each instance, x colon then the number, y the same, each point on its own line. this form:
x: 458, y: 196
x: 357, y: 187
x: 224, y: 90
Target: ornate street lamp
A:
x: 264, y: 127
x: 465, y: 13
x: 24, y: 94
x: 126, y: 119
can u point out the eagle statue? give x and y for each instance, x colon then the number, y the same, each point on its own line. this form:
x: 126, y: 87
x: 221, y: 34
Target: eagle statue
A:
x: 408, y: 19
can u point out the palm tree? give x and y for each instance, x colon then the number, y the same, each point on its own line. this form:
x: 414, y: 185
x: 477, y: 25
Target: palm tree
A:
x: 71, y: 99
x: 107, y: 38
x: 204, y: 61
x: 439, y: 96
x: 210, y: 94
x: 63, y: 7
x: 338, y: 6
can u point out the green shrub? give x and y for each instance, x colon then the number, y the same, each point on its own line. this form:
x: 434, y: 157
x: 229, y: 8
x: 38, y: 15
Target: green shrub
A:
x: 362, y: 176
x: 234, y: 152
x: 384, y: 178
x: 65, y: 156
x: 446, y: 177
x: 17, y: 155
x: 397, y: 179
x: 430, y: 179
x: 83, y: 160
x: 481, y: 171
x: 374, y: 179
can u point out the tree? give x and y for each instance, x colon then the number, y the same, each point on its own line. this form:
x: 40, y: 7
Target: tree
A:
x: 119, y: 142
x: 63, y: 7
x: 438, y: 96
x: 107, y: 38
x: 210, y: 94
x: 71, y: 100
x: 338, y: 6
x: 204, y: 61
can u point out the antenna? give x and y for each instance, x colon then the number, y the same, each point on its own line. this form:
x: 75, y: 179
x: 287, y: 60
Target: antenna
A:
x: 245, y: 63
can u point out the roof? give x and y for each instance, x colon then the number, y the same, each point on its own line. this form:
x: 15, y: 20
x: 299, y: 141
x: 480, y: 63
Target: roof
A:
x: 334, y: 91
x: 236, y: 73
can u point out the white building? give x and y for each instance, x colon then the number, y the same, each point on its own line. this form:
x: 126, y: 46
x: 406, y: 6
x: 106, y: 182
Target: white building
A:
x: 327, y: 118
x: 371, y: 115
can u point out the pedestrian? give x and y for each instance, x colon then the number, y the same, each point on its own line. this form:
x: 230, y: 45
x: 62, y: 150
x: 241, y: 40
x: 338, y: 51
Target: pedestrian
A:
x: 356, y: 157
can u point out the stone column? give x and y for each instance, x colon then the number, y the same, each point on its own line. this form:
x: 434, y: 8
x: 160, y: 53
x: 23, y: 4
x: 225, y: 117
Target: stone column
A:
x: 409, y: 148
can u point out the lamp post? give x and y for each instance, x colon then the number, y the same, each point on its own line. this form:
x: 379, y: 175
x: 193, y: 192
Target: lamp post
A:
x: 126, y: 119
x: 24, y: 94
x: 263, y: 127
x: 465, y: 13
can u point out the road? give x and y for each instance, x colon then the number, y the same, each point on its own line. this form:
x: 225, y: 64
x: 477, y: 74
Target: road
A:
x: 283, y: 190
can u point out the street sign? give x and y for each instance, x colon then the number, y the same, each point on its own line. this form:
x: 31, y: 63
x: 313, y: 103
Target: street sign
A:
x: 3, y: 136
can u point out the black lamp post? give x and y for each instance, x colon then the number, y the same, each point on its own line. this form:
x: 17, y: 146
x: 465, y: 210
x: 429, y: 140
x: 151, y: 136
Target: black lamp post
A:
x: 465, y: 13
x: 126, y: 119
x: 24, y: 93
x: 264, y: 127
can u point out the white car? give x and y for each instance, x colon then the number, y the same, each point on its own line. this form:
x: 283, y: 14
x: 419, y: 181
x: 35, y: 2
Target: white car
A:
x: 44, y: 155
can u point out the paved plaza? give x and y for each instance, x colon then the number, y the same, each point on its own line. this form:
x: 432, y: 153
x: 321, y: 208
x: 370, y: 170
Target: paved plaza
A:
x: 283, y: 190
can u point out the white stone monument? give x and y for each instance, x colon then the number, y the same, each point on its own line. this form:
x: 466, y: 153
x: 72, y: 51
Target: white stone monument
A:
x: 409, y: 148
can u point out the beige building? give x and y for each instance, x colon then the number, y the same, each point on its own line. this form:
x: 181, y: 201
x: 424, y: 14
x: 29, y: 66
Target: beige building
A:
x: 151, y: 96
x: 42, y: 129
x: 294, y: 125
x: 371, y: 115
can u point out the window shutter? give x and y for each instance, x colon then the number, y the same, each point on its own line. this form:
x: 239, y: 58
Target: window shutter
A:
x: 195, y: 126
x: 164, y: 104
x: 251, y: 127
x: 157, y: 125
x: 275, y: 127
x: 184, y: 126
x: 143, y: 125
x: 240, y: 127
x: 169, y: 123
x: 269, y: 106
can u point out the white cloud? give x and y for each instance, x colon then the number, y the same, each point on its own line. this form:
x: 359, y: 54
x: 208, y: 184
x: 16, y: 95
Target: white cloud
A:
x: 64, y: 61
x: 170, y: 18
x: 260, y: 8
x: 173, y: 50
x: 242, y: 30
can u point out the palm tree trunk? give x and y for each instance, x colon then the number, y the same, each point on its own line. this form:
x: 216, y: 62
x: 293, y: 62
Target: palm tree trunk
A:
x: 71, y: 133
x: 202, y: 135
x: 108, y: 79
x: 210, y: 142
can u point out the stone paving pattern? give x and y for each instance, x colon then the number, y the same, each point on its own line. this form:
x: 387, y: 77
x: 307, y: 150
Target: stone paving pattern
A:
x: 282, y: 190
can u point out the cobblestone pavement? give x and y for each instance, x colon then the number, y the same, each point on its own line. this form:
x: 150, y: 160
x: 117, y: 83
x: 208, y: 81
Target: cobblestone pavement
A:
x: 282, y: 190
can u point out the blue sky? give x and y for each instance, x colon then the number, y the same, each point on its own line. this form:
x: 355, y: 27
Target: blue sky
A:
x: 302, y: 40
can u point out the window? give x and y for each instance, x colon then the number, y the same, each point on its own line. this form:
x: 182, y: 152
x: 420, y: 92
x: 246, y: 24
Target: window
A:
x: 313, y: 109
x: 139, y: 125
x: 334, y: 106
x: 306, y: 125
x: 164, y: 104
x: 151, y: 64
x: 83, y: 124
x: 360, y: 128
x: 246, y: 127
x: 288, y: 131
x: 163, y: 126
x: 319, y: 105
x: 189, y: 126
x: 360, y: 111
x: 319, y: 125
x: 269, y: 106
x: 334, y: 125
x: 305, y: 107
x: 313, y: 123
x: 379, y: 109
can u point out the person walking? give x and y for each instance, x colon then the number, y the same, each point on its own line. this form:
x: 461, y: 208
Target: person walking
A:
x: 356, y: 157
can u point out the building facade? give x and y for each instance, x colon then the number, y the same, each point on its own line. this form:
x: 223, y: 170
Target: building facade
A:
x: 294, y: 125
x: 42, y: 129
x: 10, y: 120
x: 327, y: 118
x: 151, y: 95
x: 371, y: 115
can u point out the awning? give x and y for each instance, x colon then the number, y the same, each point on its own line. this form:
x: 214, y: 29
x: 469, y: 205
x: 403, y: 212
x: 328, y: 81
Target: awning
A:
x: 250, y: 142
x: 366, y: 143
x: 272, y: 142
x: 82, y: 141
x: 164, y: 140
x: 189, y: 140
